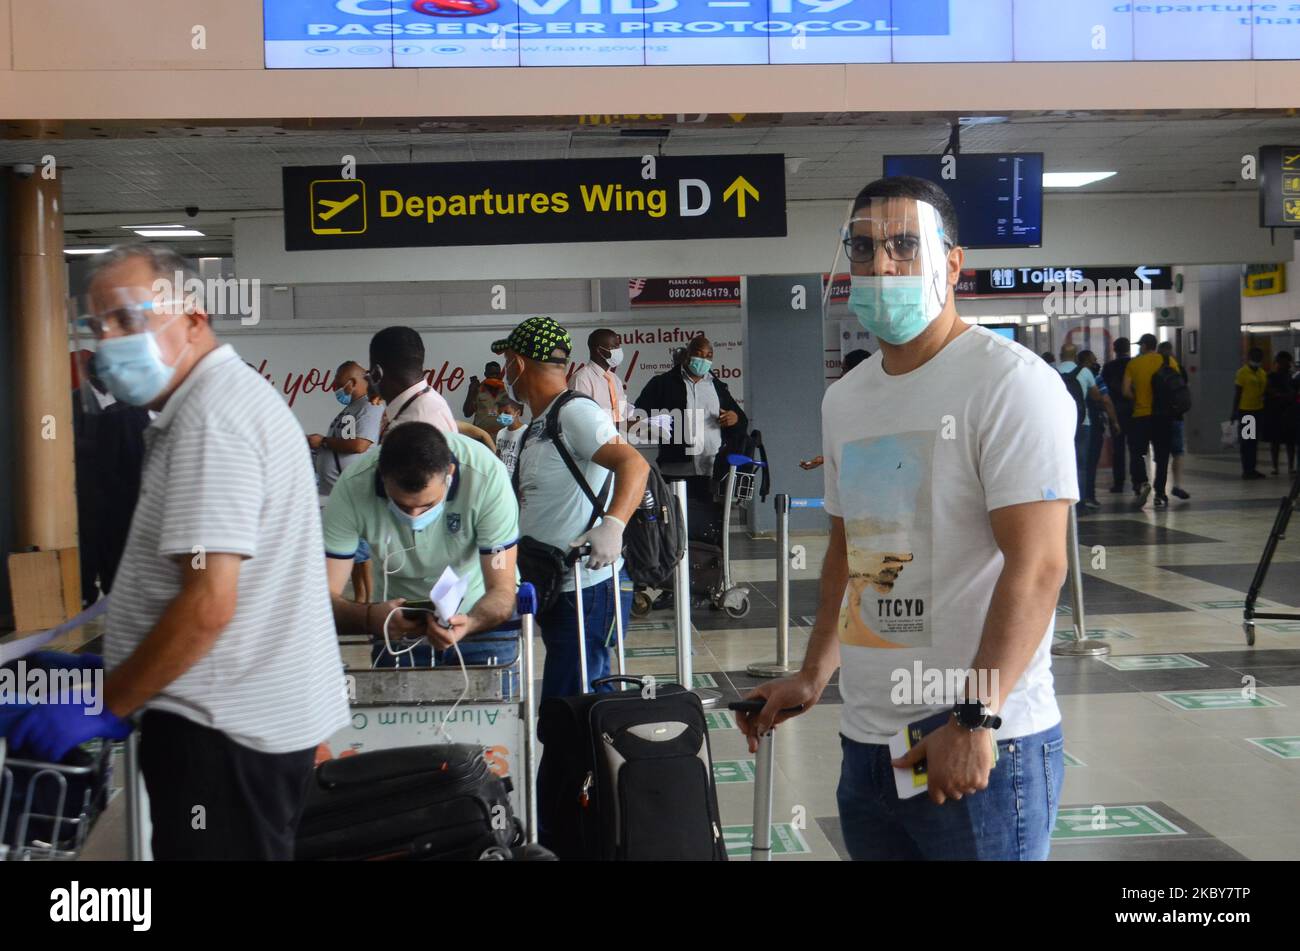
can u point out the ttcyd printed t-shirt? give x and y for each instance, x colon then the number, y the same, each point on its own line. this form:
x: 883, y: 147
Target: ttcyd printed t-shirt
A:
x: 914, y: 465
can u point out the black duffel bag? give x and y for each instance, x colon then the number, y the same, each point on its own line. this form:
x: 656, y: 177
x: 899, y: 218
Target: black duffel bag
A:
x: 413, y: 803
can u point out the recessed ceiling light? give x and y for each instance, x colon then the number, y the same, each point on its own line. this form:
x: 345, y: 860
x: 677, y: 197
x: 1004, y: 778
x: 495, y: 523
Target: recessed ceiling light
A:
x: 1073, y: 179
x: 149, y: 227
x: 170, y: 233
x: 84, y: 250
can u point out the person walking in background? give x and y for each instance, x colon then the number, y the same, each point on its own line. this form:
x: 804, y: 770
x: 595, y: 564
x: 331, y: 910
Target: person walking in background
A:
x: 397, y: 371
x: 1112, y: 374
x: 1150, y: 429
x: 510, y: 415
x: 1280, y: 411
x: 1102, y: 416
x: 1248, y: 409
x: 1084, y: 391
x: 354, y: 430
x: 481, y: 397
x: 1177, y: 439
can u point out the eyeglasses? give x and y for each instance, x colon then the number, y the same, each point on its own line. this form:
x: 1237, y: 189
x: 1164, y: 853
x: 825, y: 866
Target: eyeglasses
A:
x: 123, y: 320
x: 901, y: 248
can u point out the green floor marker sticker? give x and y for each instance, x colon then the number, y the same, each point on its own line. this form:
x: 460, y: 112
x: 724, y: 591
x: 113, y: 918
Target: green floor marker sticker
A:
x: 651, y: 626
x: 1102, y: 633
x: 720, y: 720
x: 1287, y: 747
x: 1218, y: 700
x: 1077, y: 823
x: 1221, y: 605
x: 1063, y: 610
x: 650, y: 651
x: 786, y: 840
x: 1282, y: 627
x: 733, y: 771
x: 1072, y: 760
x: 1152, y: 662
x: 703, y: 680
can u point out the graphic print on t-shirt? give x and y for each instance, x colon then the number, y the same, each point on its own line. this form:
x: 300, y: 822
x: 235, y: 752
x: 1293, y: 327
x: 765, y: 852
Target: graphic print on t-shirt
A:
x: 885, y: 485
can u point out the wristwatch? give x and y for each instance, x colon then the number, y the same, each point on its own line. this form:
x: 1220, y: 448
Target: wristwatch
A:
x: 973, y: 715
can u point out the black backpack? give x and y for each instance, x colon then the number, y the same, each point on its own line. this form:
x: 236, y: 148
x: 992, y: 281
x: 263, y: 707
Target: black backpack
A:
x: 1076, y: 391
x: 653, y: 542
x: 1170, y: 396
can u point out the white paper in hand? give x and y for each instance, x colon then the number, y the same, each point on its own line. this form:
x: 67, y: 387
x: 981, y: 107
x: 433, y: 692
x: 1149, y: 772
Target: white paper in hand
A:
x: 908, y: 782
x: 447, y: 594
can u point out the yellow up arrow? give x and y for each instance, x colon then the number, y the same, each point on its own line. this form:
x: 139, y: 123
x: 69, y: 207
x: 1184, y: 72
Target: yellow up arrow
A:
x: 740, y: 188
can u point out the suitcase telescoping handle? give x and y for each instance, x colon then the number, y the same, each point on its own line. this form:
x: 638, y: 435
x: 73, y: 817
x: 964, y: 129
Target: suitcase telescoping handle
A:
x: 526, y: 608
x: 761, y: 851
x: 575, y: 557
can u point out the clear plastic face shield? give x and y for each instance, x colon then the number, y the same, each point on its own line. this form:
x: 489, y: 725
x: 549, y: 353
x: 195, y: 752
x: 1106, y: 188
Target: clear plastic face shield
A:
x: 897, y: 254
x: 126, y: 344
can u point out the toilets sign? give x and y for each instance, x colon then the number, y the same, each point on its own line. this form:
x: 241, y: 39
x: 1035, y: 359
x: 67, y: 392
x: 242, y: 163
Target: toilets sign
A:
x: 543, y: 202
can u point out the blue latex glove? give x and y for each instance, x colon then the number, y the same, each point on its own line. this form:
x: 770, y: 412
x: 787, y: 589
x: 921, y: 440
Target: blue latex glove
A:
x: 50, y: 730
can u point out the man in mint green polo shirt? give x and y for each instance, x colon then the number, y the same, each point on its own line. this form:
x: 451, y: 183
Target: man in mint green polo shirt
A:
x: 426, y: 500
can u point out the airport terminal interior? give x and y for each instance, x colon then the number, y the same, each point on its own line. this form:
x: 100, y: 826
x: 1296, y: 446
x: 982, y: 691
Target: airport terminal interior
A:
x: 1176, y: 656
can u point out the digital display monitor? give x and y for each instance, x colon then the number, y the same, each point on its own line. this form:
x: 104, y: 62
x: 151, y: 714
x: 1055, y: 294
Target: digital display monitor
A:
x: 999, y: 197
x: 383, y: 34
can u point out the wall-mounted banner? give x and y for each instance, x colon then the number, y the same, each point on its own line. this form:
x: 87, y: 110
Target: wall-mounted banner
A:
x: 839, y: 288
x: 1279, y: 186
x: 543, y: 202
x: 683, y: 291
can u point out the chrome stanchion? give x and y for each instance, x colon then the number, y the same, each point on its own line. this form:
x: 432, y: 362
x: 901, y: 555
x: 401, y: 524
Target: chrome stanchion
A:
x: 782, y: 665
x: 761, y: 850
x: 1080, y: 646
x: 134, y: 802
x: 682, y: 610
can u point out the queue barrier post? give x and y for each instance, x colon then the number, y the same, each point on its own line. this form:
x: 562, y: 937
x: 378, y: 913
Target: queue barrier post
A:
x: 682, y: 609
x: 1081, y: 645
x: 526, y: 605
x: 781, y: 667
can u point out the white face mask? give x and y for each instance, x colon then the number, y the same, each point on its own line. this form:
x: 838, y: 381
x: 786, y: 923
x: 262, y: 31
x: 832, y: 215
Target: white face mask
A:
x: 615, y: 357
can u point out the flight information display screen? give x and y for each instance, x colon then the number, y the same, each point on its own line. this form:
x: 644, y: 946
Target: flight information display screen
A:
x: 999, y: 197
x: 370, y: 34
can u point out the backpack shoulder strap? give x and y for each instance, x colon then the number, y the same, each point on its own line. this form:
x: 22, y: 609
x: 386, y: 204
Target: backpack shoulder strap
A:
x: 1074, y: 374
x: 553, y: 431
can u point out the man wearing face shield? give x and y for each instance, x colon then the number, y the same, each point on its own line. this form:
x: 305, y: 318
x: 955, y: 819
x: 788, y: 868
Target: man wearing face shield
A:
x: 219, y: 627
x: 598, y: 380
x: 950, y: 470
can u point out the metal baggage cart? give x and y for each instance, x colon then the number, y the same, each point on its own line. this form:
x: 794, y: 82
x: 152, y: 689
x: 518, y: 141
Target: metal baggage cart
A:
x: 737, y: 490
x: 55, y: 807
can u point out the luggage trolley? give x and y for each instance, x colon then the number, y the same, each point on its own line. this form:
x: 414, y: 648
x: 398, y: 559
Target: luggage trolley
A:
x: 414, y: 706
x: 738, y: 489
x: 47, y: 810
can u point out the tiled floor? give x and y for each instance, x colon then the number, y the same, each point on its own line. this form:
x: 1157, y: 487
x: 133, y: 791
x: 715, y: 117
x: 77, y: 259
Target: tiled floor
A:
x: 1184, y: 744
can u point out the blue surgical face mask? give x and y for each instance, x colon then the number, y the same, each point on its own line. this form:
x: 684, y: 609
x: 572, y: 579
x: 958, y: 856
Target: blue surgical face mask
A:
x: 343, y: 398
x: 418, y: 523
x: 699, y: 366
x: 891, y: 308
x: 132, y: 367
x: 505, y: 419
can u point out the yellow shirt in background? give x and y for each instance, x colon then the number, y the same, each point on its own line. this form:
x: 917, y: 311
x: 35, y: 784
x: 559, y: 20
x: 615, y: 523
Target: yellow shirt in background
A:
x: 1140, y: 370
x: 1252, y: 383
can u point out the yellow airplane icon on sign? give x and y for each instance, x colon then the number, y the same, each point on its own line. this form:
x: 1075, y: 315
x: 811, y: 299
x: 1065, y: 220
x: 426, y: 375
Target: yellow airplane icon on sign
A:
x: 1291, y: 159
x: 337, y: 206
x: 334, y: 206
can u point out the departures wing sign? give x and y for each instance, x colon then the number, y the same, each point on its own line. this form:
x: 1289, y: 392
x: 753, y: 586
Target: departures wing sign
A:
x: 542, y: 202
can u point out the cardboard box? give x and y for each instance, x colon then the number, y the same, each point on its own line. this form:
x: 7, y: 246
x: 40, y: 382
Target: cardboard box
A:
x: 46, y: 587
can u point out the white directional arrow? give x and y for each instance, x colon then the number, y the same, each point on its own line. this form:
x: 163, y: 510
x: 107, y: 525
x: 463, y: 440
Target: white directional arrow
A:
x: 1145, y: 273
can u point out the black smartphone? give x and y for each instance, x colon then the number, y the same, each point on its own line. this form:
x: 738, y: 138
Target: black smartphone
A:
x: 410, y: 609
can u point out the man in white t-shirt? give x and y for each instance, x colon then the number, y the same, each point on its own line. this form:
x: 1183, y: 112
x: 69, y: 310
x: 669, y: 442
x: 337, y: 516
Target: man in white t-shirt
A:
x: 949, y: 476
x: 397, y: 371
x: 510, y: 416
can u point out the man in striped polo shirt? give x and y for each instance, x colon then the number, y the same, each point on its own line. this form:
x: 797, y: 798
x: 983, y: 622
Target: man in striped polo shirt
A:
x: 220, y: 627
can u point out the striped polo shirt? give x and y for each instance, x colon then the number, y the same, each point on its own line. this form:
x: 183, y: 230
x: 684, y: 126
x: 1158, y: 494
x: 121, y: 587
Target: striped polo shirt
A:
x: 227, y: 470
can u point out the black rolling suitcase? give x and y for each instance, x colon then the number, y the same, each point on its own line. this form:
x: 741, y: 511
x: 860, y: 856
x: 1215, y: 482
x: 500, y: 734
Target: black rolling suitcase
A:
x: 627, y: 775
x: 706, y: 568
x: 417, y: 802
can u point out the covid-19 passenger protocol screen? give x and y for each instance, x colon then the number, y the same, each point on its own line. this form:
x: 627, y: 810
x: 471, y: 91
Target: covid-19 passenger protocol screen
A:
x: 360, y: 34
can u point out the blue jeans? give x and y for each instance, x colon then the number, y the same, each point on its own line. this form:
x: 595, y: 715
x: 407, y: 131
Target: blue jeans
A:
x: 1096, y: 437
x: 498, y: 646
x: 559, y: 624
x: 1081, y: 460
x: 1010, y: 820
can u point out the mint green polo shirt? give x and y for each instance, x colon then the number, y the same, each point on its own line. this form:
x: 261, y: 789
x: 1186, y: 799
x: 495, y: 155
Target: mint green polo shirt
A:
x: 480, y: 517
